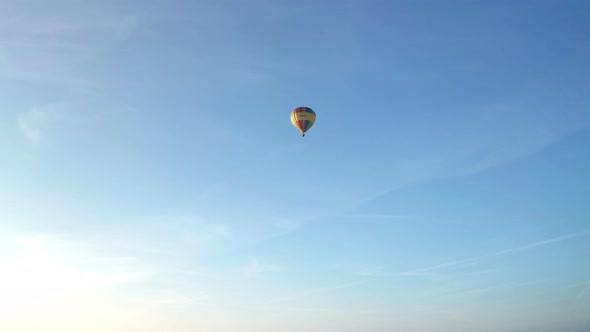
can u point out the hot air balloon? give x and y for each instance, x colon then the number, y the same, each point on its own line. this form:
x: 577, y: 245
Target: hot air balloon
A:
x: 303, y: 118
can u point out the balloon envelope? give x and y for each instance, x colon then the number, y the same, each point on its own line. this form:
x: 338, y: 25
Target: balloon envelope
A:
x: 303, y: 118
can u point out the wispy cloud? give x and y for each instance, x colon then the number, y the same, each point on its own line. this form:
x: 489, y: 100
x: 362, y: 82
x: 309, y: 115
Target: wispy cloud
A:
x: 365, y: 269
x: 44, y: 45
x: 466, y: 261
x: 584, y: 291
x: 289, y: 224
x: 570, y: 236
x: 487, y: 289
x: 370, y: 270
x: 44, y: 122
x: 257, y: 268
x: 211, y: 233
x: 29, y: 125
x: 34, y: 123
x: 497, y: 133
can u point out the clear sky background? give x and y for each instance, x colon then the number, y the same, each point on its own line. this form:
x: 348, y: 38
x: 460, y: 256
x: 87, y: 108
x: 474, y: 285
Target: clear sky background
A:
x: 151, y: 180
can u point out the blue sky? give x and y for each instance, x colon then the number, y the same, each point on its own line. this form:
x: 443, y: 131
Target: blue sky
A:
x: 150, y: 173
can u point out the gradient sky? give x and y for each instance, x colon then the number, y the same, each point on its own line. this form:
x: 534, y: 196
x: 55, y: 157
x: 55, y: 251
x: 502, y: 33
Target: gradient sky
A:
x: 151, y: 180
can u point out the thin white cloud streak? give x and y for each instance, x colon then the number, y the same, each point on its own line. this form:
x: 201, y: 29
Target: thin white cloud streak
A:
x: 44, y: 44
x: 357, y: 268
x: 370, y: 270
x: 584, y: 291
x: 46, y: 122
x: 495, y: 135
x: 289, y: 224
x: 34, y: 123
x: 543, y: 243
x: 462, y: 262
x: 481, y: 290
x: 31, y: 132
